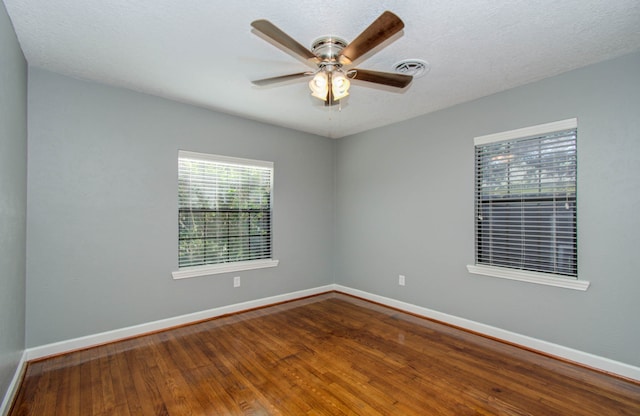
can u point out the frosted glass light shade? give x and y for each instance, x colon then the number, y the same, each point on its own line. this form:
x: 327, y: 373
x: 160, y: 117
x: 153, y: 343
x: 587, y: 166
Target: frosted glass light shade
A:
x: 319, y: 85
x: 339, y: 85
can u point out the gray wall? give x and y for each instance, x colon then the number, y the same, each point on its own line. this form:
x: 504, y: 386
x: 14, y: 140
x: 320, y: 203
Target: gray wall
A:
x: 13, y: 199
x: 102, y: 234
x: 405, y: 206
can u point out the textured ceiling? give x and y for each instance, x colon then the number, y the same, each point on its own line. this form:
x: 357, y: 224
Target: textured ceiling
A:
x: 204, y: 52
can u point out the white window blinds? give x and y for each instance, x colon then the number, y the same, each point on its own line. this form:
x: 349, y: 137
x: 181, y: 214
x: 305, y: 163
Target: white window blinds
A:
x: 526, y: 199
x: 224, y: 209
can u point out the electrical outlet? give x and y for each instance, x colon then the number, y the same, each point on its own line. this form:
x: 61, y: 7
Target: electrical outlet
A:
x: 401, y: 280
x: 236, y: 281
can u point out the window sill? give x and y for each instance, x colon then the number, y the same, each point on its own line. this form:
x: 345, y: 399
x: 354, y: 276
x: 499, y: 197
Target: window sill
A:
x: 529, y: 277
x: 197, y: 271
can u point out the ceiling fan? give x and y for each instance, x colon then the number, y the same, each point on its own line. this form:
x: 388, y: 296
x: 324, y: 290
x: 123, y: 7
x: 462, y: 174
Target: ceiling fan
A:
x: 332, y: 57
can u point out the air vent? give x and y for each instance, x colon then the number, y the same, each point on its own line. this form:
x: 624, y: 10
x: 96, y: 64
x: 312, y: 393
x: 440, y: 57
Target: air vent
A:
x: 414, y: 67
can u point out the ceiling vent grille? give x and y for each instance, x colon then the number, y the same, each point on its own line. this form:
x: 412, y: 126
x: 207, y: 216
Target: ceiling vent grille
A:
x: 414, y: 67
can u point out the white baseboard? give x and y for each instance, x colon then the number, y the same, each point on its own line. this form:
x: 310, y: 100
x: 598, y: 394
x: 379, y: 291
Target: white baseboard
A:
x: 136, y: 330
x: 580, y: 357
x: 5, y: 406
x: 587, y: 359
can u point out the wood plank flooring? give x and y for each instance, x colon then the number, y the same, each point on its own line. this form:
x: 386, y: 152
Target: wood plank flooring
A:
x: 326, y: 355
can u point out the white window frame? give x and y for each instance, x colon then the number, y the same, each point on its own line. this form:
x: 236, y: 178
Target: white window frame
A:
x: 211, y: 269
x: 523, y: 275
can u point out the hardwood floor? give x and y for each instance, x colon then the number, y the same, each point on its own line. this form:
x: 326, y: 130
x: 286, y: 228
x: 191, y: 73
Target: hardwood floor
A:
x: 326, y: 355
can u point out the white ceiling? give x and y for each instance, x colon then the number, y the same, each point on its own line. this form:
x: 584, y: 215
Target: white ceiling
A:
x: 203, y: 52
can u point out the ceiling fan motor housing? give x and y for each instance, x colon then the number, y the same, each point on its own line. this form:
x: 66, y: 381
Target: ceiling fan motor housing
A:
x: 327, y: 48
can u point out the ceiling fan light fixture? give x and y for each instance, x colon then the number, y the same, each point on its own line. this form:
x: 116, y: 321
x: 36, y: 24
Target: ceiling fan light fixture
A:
x: 333, y: 57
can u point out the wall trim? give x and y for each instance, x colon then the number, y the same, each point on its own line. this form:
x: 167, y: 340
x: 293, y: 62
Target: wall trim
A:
x: 146, y: 328
x: 233, y: 267
x: 529, y: 277
x: 583, y: 358
x: 580, y: 357
x: 12, y: 391
x: 537, y: 130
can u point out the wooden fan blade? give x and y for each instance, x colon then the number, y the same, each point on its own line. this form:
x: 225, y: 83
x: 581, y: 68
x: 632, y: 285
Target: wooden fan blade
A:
x: 385, y: 26
x: 384, y: 78
x: 282, y: 78
x: 274, y: 33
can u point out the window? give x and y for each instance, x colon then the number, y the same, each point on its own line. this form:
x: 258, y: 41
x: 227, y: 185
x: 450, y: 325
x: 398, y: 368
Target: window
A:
x: 525, y: 204
x: 224, y: 214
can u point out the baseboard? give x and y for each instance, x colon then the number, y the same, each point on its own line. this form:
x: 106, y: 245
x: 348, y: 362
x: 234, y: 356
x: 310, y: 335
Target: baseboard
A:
x: 580, y: 357
x: 136, y: 330
x: 589, y: 360
x: 5, y: 406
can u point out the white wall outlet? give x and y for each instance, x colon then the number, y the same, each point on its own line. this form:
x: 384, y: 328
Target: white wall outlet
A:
x: 401, y: 280
x: 236, y: 281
